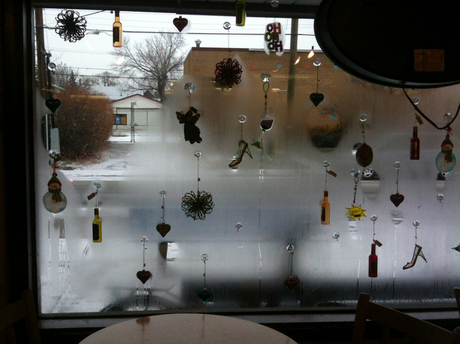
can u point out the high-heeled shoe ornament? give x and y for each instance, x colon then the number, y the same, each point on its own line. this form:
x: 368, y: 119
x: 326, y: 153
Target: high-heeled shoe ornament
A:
x: 243, y: 147
x: 417, y: 250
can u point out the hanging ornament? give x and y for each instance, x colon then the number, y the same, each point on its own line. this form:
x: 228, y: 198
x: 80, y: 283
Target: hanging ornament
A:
x: 445, y: 160
x: 238, y: 226
x: 180, y: 23
x: 415, y: 144
x: 97, y: 223
x: 54, y: 200
x: 397, y: 198
x: 292, y: 281
x: 163, y: 228
x: 228, y: 72
x: 70, y: 26
x: 417, y: 249
x: 53, y: 104
x: 144, y: 275
x: 440, y: 197
x: 117, y: 31
x: 316, y: 98
x: 197, y: 205
x: 189, y: 119
x: 205, y: 294
x: 355, y: 212
x: 373, y: 259
x: 325, y: 206
x: 240, y: 17
x: 242, y: 147
x: 336, y: 236
x: 267, y: 121
x: 364, y: 154
x: 274, y: 38
x: 457, y: 248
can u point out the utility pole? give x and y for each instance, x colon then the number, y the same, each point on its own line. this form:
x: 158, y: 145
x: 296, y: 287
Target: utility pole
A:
x: 41, y: 63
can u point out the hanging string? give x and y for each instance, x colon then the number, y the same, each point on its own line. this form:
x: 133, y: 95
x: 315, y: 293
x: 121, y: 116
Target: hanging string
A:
x: 424, y: 116
x: 317, y: 78
x: 397, y: 180
x: 204, y: 274
x: 356, y: 179
x: 266, y: 87
x: 163, y: 208
x: 325, y: 180
x: 198, y: 172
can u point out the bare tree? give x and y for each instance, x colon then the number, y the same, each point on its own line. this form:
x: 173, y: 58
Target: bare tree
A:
x: 107, y: 79
x: 151, y: 64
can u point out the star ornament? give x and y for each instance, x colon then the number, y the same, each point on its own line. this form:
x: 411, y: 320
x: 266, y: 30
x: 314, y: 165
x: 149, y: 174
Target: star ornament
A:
x: 356, y: 212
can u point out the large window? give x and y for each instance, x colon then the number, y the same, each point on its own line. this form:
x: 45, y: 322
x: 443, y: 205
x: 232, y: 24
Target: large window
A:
x: 260, y: 241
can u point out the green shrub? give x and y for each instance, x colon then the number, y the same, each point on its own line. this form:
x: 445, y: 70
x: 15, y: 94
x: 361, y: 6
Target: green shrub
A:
x: 85, y: 123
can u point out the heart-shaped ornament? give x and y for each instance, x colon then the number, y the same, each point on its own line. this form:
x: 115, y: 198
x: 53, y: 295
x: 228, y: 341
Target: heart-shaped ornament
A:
x: 397, y: 199
x: 163, y: 229
x: 291, y: 283
x: 53, y: 104
x: 316, y: 98
x: 180, y: 23
x: 205, y: 295
x: 143, y: 276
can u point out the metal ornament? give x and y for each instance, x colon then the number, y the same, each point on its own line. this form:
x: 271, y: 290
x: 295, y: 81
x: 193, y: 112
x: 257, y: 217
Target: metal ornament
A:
x: 397, y: 198
x: 70, y: 26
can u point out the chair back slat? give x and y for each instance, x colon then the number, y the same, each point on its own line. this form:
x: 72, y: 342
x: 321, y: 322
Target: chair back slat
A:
x: 403, y: 323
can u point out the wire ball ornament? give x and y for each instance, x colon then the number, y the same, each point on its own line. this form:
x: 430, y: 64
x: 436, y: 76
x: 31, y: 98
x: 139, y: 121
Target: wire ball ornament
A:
x: 70, y: 26
x: 228, y: 72
x: 197, y: 205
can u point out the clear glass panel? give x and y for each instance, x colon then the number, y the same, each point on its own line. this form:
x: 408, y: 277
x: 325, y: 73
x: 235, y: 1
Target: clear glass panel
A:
x: 275, y: 196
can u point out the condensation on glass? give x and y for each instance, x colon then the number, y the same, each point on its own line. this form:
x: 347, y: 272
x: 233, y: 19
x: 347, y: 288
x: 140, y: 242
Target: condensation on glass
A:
x: 271, y: 200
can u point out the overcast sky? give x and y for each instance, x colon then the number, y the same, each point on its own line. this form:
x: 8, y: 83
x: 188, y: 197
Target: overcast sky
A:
x: 93, y: 54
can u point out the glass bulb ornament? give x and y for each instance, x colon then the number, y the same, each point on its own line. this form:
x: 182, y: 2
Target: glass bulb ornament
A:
x: 242, y: 119
x: 275, y: 3
x: 317, y: 62
x: 54, y: 200
x: 440, y: 197
x: 445, y: 161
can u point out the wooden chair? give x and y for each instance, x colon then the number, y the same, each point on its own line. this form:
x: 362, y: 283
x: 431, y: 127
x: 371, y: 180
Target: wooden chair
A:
x: 457, y: 296
x: 412, y: 328
x: 20, y: 311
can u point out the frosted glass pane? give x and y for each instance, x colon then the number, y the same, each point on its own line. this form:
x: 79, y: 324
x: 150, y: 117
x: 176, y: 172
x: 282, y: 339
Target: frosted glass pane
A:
x: 275, y: 196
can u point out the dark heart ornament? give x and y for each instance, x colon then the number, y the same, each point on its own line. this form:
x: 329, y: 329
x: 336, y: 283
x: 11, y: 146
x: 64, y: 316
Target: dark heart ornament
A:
x: 143, y: 276
x: 316, y: 98
x: 205, y: 295
x: 180, y: 23
x: 53, y: 104
x: 291, y: 283
x: 163, y: 229
x: 364, y: 155
x: 396, y: 199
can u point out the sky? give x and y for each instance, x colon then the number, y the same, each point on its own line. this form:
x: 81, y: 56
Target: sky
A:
x: 94, y: 53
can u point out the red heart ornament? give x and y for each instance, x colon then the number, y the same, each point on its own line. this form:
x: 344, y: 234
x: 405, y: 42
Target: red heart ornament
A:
x: 397, y: 199
x: 291, y: 283
x: 163, y: 229
x: 143, y: 276
x: 316, y: 98
x: 180, y: 23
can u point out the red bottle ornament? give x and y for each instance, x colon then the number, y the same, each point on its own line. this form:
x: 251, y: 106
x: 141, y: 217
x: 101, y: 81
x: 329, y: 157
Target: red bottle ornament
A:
x: 373, y: 262
x: 415, y: 145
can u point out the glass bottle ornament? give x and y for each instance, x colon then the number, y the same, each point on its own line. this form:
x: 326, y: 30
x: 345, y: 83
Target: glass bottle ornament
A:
x: 373, y: 262
x: 97, y: 226
x: 117, y: 31
x: 445, y: 160
x: 325, y: 209
x: 54, y: 200
x: 240, y: 13
x: 415, y: 145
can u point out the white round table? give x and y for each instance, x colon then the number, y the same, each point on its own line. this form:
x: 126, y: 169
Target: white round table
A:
x: 187, y: 329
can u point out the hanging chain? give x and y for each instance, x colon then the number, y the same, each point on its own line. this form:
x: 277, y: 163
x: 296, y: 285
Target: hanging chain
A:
x: 356, y: 179
x: 397, y: 180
